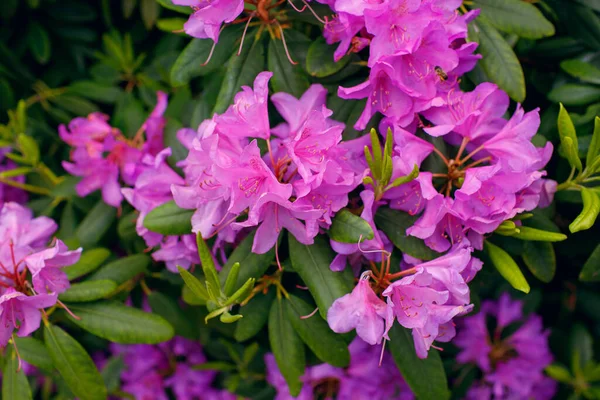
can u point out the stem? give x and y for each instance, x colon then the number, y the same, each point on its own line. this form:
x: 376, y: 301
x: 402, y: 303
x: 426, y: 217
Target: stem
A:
x: 25, y: 186
x: 471, y: 154
x: 443, y: 157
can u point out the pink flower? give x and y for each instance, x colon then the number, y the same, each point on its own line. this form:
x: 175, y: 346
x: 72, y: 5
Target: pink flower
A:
x: 45, y: 267
x: 22, y: 312
x: 208, y: 16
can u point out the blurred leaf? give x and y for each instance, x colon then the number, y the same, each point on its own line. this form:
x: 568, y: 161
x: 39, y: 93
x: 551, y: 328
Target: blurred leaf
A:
x: 287, y: 347
x: 582, y: 70
x: 241, y: 70
x: 426, y: 377
x: 121, y: 324
x: 582, y: 23
x: 287, y: 77
x: 88, y: 291
x: 515, y: 16
x: 581, y: 347
x: 252, y: 265
x: 591, y: 269
x: 128, y: 7
x: 123, y: 269
x: 95, y: 224
x: 507, y: 267
x: 39, y: 43
x: 168, y: 4
x: 73, y: 11
x: 129, y: 114
x: 558, y: 373
x: 394, y: 224
x: 34, y: 352
x: 314, y: 331
x: 14, y: 382
x: 74, y: 364
x: 349, y: 228
x: 95, y: 91
x: 499, y: 61
x: 170, y: 24
x: 89, y: 261
x: 540, y: 259
x: 29, y: 148
x: 319, y: 60
x: 573, y: 94
x: 312, y: 264
x: 169, y: 219
x: 591, y: 208
x: 75, y: 104
x: 168, y: 308
x: 111, y: 373
x: 256, y: 314
x: 150, y: 12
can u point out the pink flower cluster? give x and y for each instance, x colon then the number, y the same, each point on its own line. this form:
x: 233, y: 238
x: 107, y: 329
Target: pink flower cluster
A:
x: 299, y: 184
x: 24, y: 249
x: 512, y: 364
x: 107, y: 160
x: 166, y: 368
x: 364, y: 378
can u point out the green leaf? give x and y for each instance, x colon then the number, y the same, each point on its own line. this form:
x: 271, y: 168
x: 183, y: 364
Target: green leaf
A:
x: 95, y: 91
x: 347, y: 227
x: 394, y: 224
x: 168, y: 308
x: 111, y: 373
x: 405, y: 178
x: 287, y: 347
x: 150, y: 12
x: 170, y: 24
x: 582, y: 24
x: 189, y: 63
x: 208, y: 264
x: 123, y: 269
x: 574, y: 94
x: 34, y: 352
x: 241, y: 70
x: 591, y: 269
x: 95, y: 224
x: 287, y: 77
x: 591, y: 208
x: 29, y: 148
x: 39, y: 43
x: 568, y: 137
x: 241, y: 293
x: 194, y: 284
x: 582, y: 70
x: 168, y: 4
x: 231, y: 282
x: 189, y: 297
x: 319, y: 60
x: 594, y: 149
x: 558, y: 373
x: 312, y: 264
x: 255, y: 313
x: 128, y: 7
x: 499, y: 61
x: 121, y: 324
x: 515, y: 16
x: 14, y: 382
x: 540, y: 259
x: 169, y: 219
x: 581, y: 347
x: 317, y: 335
x: 252, y: 265
x: 88, y: 291
x: 426, y: 377
x: 507, y: 267
x: 88, y: 262
x: 74, y: 364
x: 527, y: 233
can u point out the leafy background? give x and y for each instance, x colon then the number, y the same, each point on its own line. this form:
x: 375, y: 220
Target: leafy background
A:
x: 60, y: 59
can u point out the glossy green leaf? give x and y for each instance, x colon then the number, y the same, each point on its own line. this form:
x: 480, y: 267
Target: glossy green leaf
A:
x: 507, y: 267
x: 74, y: 364
x: 39, y: 43
x: 574, y: 94
x: 591, y: 208
x: 312, y: 264
x: 426, y: 377
x: 591, y: 269
x: 582, y: 70
x: 319, y: 59
x: 287, y: 347
x: 568, y: 137
x: 315, y: 332
x: 121, y: 324
x: 594, y: 149
x: 527, y: 233
x: 169, y: 219
x: 540, y: 259
x: 287, y: 77
x: 95, y: 224
x: 499, y: 61
x: 34, y: 352
x: 123, y: 269
x: 189, y: 63
x: 89, y: 261
x: 394, y: 224
x: 14, y: 382
x: 515, y: 16
x: 347, y: 227
x: 255, y: 313
x: 252, y: 265
x: 88, y: 291
x: 168, y: 308
x: 241, y: 70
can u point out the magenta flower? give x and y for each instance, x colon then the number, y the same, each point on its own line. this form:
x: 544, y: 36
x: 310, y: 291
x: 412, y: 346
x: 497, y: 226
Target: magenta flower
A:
x: 22, y: 312
x: 343, y: 28
x: 208, y: 16
x: 361, y: 310
x: 295, y: 111
x: 45, y: 267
